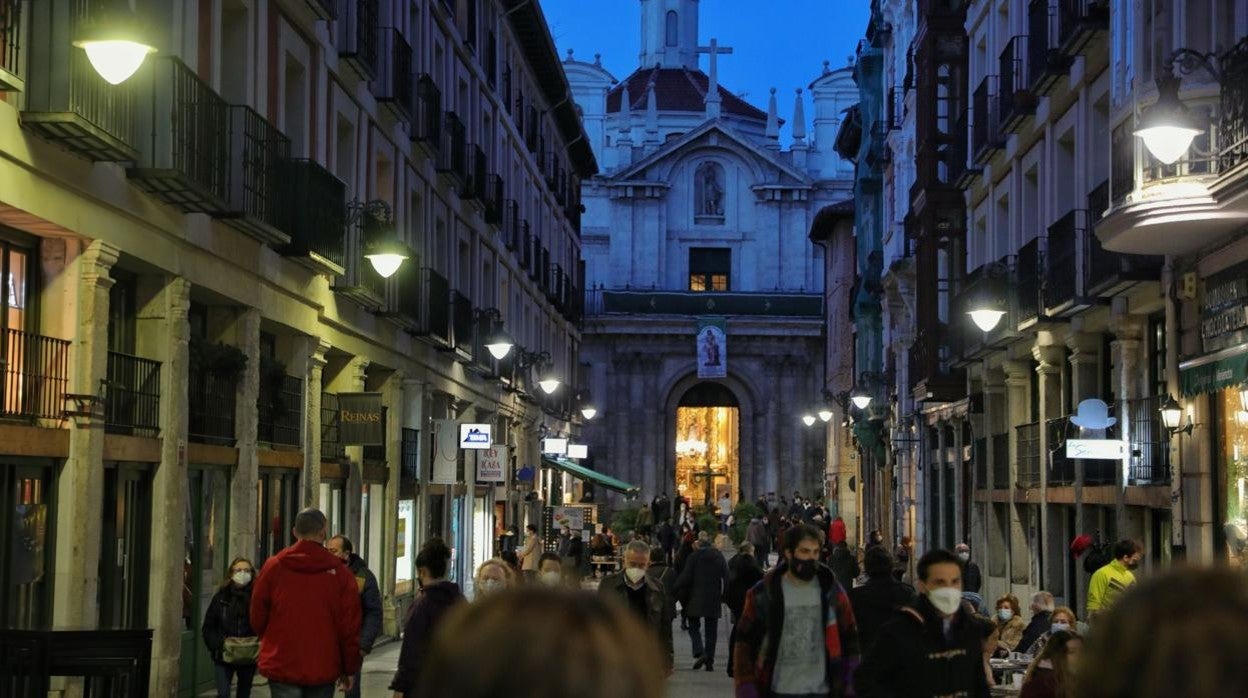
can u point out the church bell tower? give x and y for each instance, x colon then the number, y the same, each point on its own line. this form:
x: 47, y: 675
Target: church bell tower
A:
x: 669, y: 33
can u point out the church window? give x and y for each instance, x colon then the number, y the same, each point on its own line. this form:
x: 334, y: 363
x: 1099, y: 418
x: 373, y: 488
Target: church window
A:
x: 708, y: 193
x: 710, y: 268
x: 672, y: 28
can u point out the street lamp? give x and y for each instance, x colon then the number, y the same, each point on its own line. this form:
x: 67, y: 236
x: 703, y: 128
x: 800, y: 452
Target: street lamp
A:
x: 825, y: 415
x: 497, y: 341
x: 1167, y: 127
x: 382, y: 248
x: 1171, y: 415
x: 546, y: 378
x: 588, y: 413
x: 808, y: 419
x: 860, y: 397
x: 115, y: 41
x: 987, y: 305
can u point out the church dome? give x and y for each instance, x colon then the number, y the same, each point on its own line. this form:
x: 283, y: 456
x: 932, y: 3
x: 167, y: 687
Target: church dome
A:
x: 678, y: 90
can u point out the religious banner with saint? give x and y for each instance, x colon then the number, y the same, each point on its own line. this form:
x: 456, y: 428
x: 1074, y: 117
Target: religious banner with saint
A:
x: 712, y: 347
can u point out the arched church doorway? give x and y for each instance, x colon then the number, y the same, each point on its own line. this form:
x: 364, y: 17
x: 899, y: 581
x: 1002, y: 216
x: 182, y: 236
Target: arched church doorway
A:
x: 708, y: 440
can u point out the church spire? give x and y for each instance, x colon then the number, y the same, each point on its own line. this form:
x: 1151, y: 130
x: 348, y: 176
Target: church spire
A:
x: 772, y: 134
x: 799, y: 119
x: 669, y: 33
x: 652, y: 115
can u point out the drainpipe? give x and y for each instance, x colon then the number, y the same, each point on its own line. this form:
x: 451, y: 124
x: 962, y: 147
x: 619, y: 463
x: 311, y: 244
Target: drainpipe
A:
x: 1169, y: 287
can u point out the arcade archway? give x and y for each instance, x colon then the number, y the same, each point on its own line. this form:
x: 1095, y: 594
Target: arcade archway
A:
x: 708, y: 443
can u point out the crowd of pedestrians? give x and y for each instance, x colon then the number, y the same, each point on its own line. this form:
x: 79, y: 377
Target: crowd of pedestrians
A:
x: 807, y: 625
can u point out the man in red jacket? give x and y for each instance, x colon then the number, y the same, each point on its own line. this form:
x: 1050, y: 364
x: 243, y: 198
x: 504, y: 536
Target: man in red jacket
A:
x: 305, y: 607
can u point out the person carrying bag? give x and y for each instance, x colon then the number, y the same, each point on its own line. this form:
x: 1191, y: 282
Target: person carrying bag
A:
x: 227, y: 632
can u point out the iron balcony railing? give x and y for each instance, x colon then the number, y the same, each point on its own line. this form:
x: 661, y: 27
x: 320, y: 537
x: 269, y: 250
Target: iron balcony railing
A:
x: 1079, y: 21
x: 393, y: 85
x: 132, y: 395
x: 359, y: 36
x: 453, y: 153
x: 1233, y: 121
x: 554, y: 283
x: 403, y: 296
x: 360, y: 281
x: 1030, y: 276
x: 601, y: 301
x: 1061, y: 469
x: 211, y: 401
x: 1045, y: 61
x: 511, y: 224
x: 332, y: 449
x: 258, y: 152
x: 526, y: 246
x: 932, y: 371
x: 1015, y: 100
x: 10, y: 44
x: 313, y: 213
x: 961, y: 174
x: 67, y: 101
x: 435, y: 308
x: 985, y: 127
x: 427, y: 125
x: 185, y: 150
x: 1108, y: 272
x: 492, y: 198
x: 1028, y: 436
x: 575, y: 309
x: 1148, y: 441
x: 34, y: 375
x: 473, y: 186
x: 1063, y: 284
x: 1000, y: 461
x: 896, y: 107
x: 462, y: 323
x: 281, y: 410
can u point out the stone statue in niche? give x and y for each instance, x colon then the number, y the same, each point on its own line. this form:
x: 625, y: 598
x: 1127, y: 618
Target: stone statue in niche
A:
x: 709, y: 190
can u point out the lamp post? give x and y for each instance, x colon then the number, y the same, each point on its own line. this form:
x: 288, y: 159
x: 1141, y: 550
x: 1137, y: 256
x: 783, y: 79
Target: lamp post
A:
x: 988, y: 303
x: 1171, y: 415
x: 1167, y: 127
x: 546, y: 378
x: 497, y: 341
x: 382, y: 249
x: 588, y: 411
x: 115, y: 39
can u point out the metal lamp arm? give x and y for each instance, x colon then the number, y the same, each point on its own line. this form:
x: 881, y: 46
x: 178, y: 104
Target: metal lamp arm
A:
x: 1187, y: 61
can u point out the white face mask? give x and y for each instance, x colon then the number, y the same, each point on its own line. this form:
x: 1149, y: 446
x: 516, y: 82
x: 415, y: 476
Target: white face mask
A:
x: 1058, y: 627
x: 947, y: 600
x: 635, y: 575
x: 241, y: 579
x: 551, y: 579
x: 491, y: 584
x: 964, y: 556
x: 1005, y: 614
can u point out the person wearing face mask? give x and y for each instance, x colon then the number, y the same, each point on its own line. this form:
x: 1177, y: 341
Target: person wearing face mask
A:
x: 227, y: 622
x: 436, y: 599
x: 1108, y: 583
x: 703, y: 581
x: 550, y: 570
x: 643, y: 595
x: 933, y: 649
x: 1009, y: 624
x: 1061, y: 619
x: 796, y: 635
x: 493, y: 576
x: 972, y: 579
x: 370, y: 598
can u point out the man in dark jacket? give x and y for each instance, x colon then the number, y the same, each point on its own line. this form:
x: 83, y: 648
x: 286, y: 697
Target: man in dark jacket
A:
x: 643, y: 594
x: 436, y: 599
x: 934, y: 649
x: 370, y: 597
x: 667, y: 538
x: 702, y: 581
x: 877, y: 602
x: 796, y: 634
x: 1042, y: 605
x: 743, y: 573
x: 756, y: 535
x: 844, y: 565
x: 972, y: 580
x: 305, y: 608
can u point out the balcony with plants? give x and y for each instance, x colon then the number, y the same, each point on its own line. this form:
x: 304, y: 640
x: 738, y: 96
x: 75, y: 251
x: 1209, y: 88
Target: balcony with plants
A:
x: 279, y: 405
x: 215, y: 369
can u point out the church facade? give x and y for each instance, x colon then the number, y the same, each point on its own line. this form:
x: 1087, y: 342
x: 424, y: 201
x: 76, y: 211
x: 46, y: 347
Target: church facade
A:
x: 704, y: 330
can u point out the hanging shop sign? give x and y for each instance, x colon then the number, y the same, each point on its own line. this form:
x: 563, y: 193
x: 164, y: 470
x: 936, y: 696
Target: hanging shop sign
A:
x: 1224, y: 309
x: 554, y: 447
x: 491, y: 464
x: 1096, y: 449
x: 361, y: 419
x: 578, y: 451
x: 445, y: 452
x: 475, y: 436
x: 711, y: 347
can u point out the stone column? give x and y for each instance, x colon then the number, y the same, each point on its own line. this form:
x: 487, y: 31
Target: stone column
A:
x: 354, y: 375
x: 994, y: 423
x: 313, y: 387
x: 1128, y: 331
x: 165, y: 332
x: 649, y: 412
x: 618, y: 416
x: 1049, y: 371
x: 1084, y: 359
x: 246, y: 432
x: 959, y: 483
x: 771, y: 436
x: 941, y: 482
x: 1018, y: 388
x: 79, y: 501
x: 392, y: 400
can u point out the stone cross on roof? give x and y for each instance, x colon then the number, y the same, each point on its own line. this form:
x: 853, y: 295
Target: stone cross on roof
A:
x: 712, y: 89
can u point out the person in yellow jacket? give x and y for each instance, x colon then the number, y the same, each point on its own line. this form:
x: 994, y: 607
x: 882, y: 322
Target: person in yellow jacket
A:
x: 1110, y: 581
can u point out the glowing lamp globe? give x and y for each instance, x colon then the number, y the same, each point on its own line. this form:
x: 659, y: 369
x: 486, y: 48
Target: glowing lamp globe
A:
x: 986, y: 319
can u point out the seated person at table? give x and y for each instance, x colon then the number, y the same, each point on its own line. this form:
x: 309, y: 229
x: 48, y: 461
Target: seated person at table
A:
x: 601, y: 546
x: 1051, y: 674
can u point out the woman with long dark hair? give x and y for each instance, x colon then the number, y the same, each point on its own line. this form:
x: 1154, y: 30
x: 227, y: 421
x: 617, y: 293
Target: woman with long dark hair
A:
x: 227, y: 631
x: 1051, y: 675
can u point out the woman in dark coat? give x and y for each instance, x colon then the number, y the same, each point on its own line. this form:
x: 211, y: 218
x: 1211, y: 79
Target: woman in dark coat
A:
x: 437, y: 597
x: 743, y: 573
x: 228, y: 615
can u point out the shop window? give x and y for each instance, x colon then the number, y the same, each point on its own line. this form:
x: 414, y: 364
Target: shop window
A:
x: 26, y: 545
x: 710, y: 268
x: 1233, y: 409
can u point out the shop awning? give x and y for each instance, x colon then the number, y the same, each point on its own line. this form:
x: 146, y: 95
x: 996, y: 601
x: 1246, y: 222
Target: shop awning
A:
x: 1222, y: 369
x: 579, y: 471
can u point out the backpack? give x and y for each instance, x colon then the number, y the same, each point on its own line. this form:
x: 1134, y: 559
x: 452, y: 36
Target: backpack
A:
x: 1099, y: 555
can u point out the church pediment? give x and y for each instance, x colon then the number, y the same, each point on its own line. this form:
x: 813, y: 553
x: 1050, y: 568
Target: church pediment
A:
x: 770, y: 170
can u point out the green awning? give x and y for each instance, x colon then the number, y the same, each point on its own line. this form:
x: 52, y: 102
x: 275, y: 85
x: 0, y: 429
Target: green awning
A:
x: 579, y: 471
x: 1222, y: 369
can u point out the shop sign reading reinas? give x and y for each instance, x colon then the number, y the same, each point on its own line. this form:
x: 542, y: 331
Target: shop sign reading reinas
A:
x: 361, y: 419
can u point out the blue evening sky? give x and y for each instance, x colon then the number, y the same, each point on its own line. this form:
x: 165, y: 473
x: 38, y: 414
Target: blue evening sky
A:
x: 776, y: 43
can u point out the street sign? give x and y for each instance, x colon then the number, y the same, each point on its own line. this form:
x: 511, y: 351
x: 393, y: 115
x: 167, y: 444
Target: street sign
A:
x: 1096, y: 449
x: 578, y: 451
